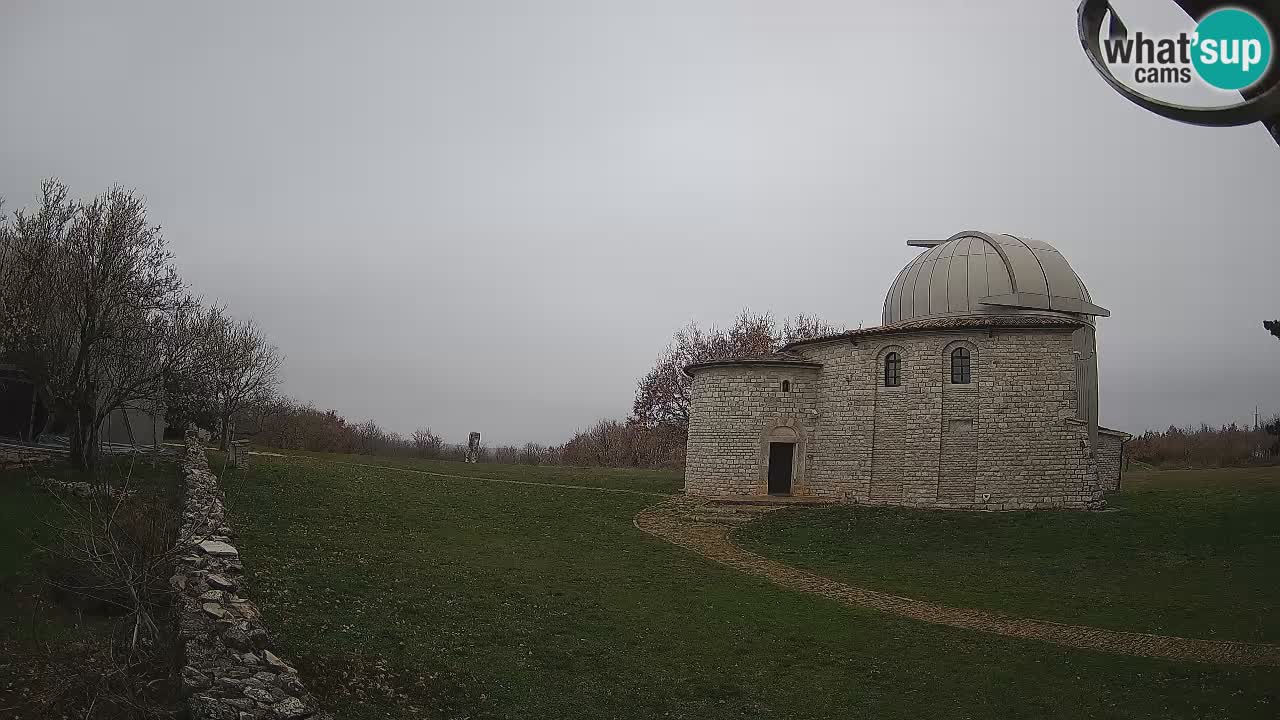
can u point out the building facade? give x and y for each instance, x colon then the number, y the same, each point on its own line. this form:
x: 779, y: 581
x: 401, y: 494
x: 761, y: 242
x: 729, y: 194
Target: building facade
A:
x: 23, y: 416
x: 979, y: 391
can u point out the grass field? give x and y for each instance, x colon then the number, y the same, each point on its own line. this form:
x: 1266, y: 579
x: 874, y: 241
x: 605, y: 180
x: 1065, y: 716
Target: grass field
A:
x: 1194, y: 553
x: 55, y: 645
x: 26, y: 513
x: 652, y: 481
x: 402, y: 594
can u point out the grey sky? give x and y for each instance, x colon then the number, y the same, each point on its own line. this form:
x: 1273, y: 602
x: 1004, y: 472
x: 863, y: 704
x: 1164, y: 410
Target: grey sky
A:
x: 492, y: 215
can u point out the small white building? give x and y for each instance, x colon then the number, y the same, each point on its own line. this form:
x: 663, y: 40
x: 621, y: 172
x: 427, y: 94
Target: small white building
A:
x: 138, y: 425
x: 23, y: 415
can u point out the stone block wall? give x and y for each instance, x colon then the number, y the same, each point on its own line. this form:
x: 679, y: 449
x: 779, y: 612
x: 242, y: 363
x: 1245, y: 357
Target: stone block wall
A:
x: 845, y: 429
x: 959, y: 454
x: 731, y: 412
x: 230, y: 670
x: 1005, y: 441
x: 1033, y: 454
x: 1110, y: 459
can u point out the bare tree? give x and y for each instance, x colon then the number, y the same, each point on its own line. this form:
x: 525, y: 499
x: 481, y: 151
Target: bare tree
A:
x: 532, y: 454
x: 189, y: 392
x: 6, y: 276
x: 426, y: 443
x: 88, y: 297
x: 806, y: 327
x: 245, y: 368
x: 662, y: 395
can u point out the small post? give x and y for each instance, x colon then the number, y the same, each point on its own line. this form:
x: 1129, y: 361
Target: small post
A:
x: 31, y: 424
x: 239, y: 454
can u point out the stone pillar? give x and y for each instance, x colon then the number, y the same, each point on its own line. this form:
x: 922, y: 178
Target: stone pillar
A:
x: 239, y: 453
x: 473, y: 447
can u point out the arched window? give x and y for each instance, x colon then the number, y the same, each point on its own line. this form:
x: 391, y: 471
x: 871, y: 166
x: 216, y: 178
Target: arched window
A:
x: 961, y: 373
x: 892, y: 370
x: 786, y: 386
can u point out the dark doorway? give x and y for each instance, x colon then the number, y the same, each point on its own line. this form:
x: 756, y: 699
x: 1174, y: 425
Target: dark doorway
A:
x: 18, y: 408
x: 780, y: 457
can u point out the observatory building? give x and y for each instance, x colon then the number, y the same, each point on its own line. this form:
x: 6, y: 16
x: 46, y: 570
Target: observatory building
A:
x: 979, y: 391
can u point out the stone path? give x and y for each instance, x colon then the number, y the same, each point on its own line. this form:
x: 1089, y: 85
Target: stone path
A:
x: 704, y: 528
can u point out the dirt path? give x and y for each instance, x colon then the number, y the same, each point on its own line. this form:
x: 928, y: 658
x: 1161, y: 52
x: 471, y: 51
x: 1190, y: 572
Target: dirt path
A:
x: 691, y: 525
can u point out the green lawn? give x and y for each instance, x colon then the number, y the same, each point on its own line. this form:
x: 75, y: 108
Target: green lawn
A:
x: 1194, y: 553
x: 52, y: 643
x: 23, y: 510
x: 652, y: 481
x: 407, y: 595
x: 29, y: 518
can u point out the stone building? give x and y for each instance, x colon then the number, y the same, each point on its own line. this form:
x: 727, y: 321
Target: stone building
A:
x: 979, y: 391
x: 23, y: 415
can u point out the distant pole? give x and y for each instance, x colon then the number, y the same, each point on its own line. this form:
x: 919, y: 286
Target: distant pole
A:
x: 31, y: 421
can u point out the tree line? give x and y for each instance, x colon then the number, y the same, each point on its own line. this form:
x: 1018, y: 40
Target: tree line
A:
x: 1207, y: 447
x: 290, y: 425
x: 653, y: 436
x: 95, y: 314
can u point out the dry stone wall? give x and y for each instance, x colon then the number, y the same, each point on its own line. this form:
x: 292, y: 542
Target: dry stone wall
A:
x: 230, y: 670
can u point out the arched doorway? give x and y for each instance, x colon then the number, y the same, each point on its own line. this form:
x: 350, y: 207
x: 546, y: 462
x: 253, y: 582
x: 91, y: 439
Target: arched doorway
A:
x: 782, y: 460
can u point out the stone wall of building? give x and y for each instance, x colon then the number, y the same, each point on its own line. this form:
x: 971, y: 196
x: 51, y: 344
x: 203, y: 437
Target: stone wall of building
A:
x: 229, y: 669
x: 1033, y: 456
x: 959, y: 456
x: 1007, y: 440
x: 1110, y: 459
x: 732, y: 412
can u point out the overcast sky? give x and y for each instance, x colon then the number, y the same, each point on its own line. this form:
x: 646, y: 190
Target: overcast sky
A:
x: 492, y: 215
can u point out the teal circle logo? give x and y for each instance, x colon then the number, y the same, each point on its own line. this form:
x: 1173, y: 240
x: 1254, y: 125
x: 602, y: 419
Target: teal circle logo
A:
x: 1232, y: 49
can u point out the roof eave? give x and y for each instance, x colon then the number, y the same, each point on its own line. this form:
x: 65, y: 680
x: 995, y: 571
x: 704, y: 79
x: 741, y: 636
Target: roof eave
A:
x: 1035, y: 301
x: 691, y: 368
x: 994, y: 324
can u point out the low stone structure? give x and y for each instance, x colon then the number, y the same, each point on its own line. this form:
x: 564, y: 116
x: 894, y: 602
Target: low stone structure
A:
x: 1111, y: 458
x: 19, y: 456
x: 230, y: 671
x: 979, y: 391
x: 84, y: 489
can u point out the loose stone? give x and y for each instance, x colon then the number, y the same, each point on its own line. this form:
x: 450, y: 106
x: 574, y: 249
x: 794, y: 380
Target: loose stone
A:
x: 215, y: 610
x: 218, y: 548
x: 276, y: 662
x: 218, y: 582
x: 290, y: 709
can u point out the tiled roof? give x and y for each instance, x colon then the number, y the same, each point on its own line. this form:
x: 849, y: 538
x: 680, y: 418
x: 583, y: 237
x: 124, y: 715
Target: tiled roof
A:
x: 774, y: 358
x: 950, y: 323
x: 784, y: 357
